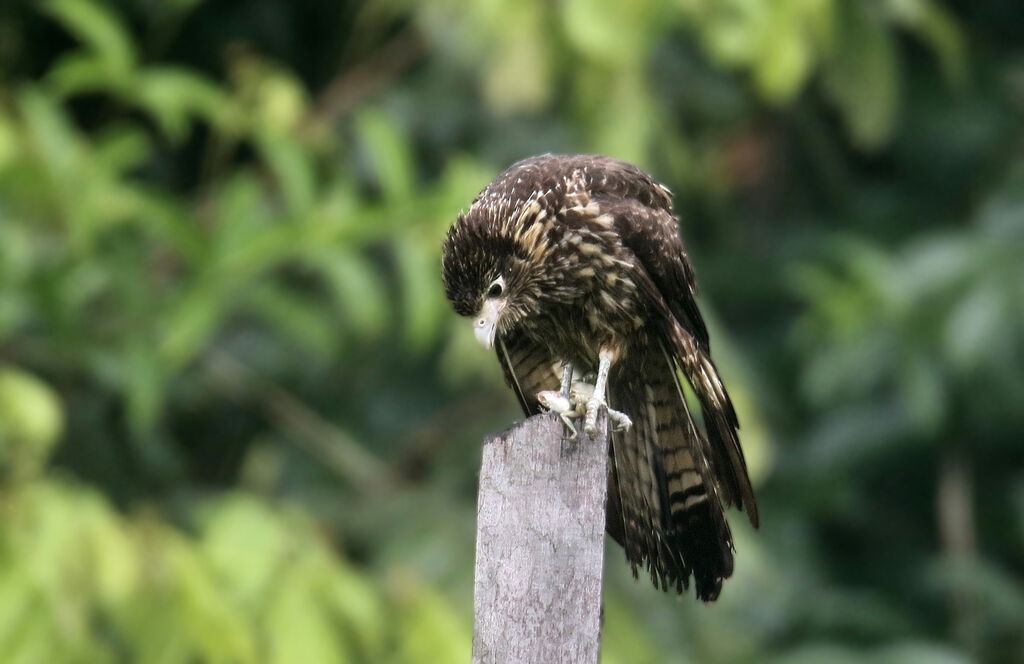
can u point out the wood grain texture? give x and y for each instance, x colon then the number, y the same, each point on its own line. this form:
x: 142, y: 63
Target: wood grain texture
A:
x: 540, y: 544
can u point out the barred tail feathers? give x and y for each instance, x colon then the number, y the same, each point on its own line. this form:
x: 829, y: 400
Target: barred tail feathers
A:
x: 673, y: 519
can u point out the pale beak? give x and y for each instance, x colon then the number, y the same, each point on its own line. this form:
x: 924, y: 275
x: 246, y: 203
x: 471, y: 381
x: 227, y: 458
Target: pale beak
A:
x: 485, y: 323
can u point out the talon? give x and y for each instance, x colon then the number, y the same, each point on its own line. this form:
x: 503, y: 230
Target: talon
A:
x: 620, y: 420
x: 568, y: 423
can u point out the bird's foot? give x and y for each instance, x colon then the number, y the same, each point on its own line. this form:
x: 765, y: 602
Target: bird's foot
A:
x: 580, y: 397
x: 581, y: 402
x: 555, y: 402
x: 620, y: 421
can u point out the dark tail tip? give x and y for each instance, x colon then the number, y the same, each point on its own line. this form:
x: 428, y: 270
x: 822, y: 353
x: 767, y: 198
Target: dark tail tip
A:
x: 706, y: 551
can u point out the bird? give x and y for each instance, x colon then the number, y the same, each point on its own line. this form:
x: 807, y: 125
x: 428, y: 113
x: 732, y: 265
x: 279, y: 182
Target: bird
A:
x: 573, y: 265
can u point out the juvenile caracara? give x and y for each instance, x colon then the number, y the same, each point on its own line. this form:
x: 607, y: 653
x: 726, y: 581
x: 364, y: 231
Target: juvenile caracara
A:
x: 575, y: 264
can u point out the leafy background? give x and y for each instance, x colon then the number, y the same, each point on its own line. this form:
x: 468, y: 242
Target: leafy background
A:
x: 238, y: 422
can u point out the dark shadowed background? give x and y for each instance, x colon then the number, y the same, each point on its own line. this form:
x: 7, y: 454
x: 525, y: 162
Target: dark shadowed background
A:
x: 238, y: 422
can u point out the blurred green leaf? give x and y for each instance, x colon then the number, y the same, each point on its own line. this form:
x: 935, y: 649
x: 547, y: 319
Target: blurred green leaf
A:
x: 421, y: 299
x: 174, y: 97
x: 188, y: 323
x: 973, y: 324
x: 297, y: 628
x: 627, y: 122
x: 389, y: 154
x: 292, y: 170
x: 926, y: 394
x: 51, y: 136
x: 294, y: 316
x: 123, y: 148
x: 144, y: 385
x: 358, y: 291
x: 861, y: 76
x: 31, y: 418
x: 96, y: 26
x: 83, y: 72
x: 920, y: 653
x: 9, y: 144
x: 219, y: 633
x: 627, y: 643
x: 613, y: 33
x: 432, y: 632
x: 274, y: 100
x: 359, y: 605
x: 938, y: 28
x: 786, y: 54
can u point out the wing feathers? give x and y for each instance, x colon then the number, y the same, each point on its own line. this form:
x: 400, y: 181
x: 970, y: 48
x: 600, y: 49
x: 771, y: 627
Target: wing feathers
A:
x: 669, y: 480
x: 529, y: 369
x: 721, y: 423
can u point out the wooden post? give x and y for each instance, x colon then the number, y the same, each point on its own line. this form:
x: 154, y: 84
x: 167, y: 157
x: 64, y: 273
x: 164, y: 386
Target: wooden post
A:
x: 540, y: 544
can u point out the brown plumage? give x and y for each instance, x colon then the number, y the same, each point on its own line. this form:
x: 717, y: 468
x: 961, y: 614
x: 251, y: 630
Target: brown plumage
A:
x: 571, y: 258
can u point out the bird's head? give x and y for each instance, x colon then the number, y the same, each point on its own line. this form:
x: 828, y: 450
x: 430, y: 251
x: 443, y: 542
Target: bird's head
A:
x: 488, y: 278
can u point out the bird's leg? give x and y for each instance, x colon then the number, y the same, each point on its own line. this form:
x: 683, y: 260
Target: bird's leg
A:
x: 566, y: 378
x: 597, y: 399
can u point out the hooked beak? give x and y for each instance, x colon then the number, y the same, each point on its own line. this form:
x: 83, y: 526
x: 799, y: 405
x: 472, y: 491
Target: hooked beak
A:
x: 485, y: 323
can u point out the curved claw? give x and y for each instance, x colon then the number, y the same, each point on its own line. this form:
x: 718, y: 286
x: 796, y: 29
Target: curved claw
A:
x: 568, y: 423
x: 620, y: 421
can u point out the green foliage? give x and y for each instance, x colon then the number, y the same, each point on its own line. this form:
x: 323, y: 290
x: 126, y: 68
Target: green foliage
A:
x: 30, y: 420
x: 238, y: 422
x: 254, y: 583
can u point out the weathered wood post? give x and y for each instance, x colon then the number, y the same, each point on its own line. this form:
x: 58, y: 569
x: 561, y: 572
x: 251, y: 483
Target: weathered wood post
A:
x: 540, y: 544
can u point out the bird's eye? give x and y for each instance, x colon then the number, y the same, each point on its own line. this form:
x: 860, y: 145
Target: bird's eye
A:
x: 497, y: 288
